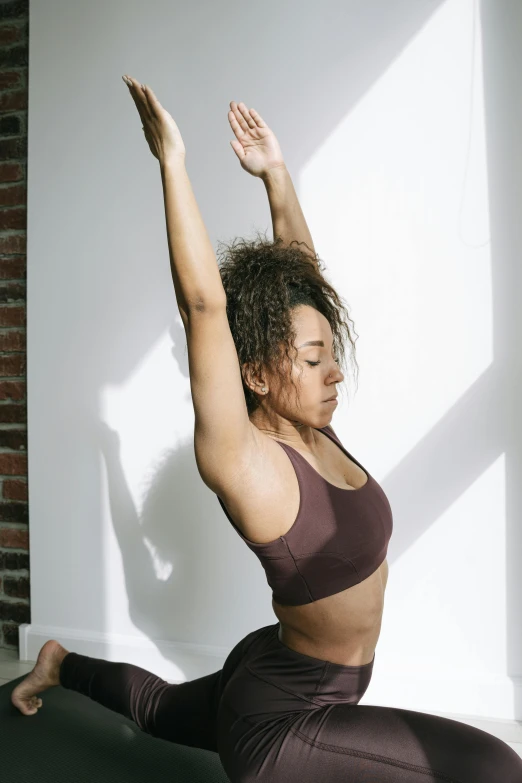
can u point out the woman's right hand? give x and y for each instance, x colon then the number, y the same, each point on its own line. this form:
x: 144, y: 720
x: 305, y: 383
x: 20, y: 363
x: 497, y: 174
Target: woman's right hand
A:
x: 255, y: 145
x: 161, y: 132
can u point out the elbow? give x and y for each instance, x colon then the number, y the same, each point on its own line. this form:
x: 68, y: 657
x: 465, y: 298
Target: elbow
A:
x: 203, y: 303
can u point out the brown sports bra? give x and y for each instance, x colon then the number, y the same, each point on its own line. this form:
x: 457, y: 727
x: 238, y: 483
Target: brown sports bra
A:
x: 339, y: 537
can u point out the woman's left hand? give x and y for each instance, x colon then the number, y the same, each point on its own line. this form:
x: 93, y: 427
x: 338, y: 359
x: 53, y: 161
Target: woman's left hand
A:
x: 255, y: 144
x: 161, y: 132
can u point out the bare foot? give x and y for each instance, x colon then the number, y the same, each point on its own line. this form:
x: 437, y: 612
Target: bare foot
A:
x: 45, y: 674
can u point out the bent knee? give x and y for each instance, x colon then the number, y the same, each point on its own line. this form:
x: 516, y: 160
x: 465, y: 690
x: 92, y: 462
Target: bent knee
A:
x: 494, y: 759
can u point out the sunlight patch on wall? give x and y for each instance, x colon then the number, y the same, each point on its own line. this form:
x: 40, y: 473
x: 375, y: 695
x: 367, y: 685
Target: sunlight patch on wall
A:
x: 142, y: 428
x: 453, y: 612
x: 397, y: 202
x: 144, y: 411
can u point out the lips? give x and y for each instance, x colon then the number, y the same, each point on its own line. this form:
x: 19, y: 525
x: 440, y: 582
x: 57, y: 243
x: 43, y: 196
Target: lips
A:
x: 334, y: 397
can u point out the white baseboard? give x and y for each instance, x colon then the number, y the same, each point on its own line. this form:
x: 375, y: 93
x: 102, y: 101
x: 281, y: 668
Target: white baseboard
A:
x: 482, y: 695
x: 506, y: 730
x: 172, y: 661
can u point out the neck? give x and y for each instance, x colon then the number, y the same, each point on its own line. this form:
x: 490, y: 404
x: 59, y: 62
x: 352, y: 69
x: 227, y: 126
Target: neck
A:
x: 295, y: 433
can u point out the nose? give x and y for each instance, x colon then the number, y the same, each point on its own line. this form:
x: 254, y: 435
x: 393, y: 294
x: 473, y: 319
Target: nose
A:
x: 335, y: 372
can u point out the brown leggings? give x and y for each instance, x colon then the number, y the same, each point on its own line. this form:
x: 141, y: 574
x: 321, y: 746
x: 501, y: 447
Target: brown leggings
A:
x: 276, y: 715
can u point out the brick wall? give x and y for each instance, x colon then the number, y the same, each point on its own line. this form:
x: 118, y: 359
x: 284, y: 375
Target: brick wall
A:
x: 14, y: 516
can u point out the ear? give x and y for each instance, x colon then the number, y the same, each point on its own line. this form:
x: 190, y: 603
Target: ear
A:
x: 255, y: 382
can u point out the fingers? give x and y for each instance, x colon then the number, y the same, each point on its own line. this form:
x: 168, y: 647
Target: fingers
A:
x: 238, y: 117
x: 235, y: 125
x: 150, y: 95
x: 250, y: 122
x: 134, y: 86
x: 145, y: 92
x: 140, y: 99
x: 257, y: 117
x: 246, y: 119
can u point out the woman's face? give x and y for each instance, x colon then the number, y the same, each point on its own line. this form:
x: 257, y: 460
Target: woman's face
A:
x: 314, y: 372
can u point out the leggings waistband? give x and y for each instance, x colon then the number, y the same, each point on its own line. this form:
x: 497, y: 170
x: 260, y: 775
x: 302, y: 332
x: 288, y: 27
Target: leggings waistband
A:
x: 313, y: 679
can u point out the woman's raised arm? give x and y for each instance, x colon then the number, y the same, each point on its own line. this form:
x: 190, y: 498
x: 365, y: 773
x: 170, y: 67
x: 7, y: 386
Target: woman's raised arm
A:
x: 260, y: 154
x: 225, y: 441
x: 193, y: 263
x: 288, y: 220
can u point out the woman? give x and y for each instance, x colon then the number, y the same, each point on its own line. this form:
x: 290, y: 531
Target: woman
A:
x: 264, y: 333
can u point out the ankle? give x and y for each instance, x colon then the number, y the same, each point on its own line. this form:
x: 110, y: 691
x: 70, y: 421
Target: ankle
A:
x: 60, y: 654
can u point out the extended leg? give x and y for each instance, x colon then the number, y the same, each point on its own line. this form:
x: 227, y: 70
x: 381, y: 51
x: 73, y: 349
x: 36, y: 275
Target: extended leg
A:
x: 183, y: 713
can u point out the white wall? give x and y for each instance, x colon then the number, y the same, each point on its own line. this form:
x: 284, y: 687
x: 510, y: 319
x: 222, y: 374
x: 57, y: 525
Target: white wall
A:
x: 400, y: 124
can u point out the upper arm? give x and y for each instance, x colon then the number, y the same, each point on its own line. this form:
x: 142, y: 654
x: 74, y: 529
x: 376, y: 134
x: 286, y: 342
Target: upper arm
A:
x: 224, y: 437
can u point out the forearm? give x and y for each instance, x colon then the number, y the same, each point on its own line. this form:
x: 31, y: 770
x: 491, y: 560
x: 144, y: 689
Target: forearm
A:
x: 288, y: 221
x: 195, y: 272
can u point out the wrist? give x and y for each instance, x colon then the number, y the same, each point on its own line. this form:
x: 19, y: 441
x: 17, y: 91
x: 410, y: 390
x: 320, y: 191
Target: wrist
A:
x: 173, y: 162
x: 274, y: 173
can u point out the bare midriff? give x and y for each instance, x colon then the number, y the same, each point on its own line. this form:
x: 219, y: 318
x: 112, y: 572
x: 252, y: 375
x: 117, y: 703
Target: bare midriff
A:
x: 341, y: 628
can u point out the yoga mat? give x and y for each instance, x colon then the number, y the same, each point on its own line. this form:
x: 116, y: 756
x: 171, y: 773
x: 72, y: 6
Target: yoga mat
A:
x: 72, y: 738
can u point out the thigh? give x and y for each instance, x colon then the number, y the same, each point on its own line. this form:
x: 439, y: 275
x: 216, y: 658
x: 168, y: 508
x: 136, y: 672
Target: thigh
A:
x: 186, y: 713
x: 367, y: 743
x: 346, y: 743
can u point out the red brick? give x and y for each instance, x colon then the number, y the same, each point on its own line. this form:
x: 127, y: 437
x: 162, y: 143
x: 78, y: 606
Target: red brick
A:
x: 9, y: 79
x: 11, y: 172
x: 13, y: 465
x: 14, y: 561
x: 13, y: 341
x: 13, y: 243
x: 13, y: 365
x: 12, y: 291
x: 14, y: 513
x: 13, y: 101
x: 13, y: 315
x: 14, y: 611
x: 13, y: 268
x: 14, y: 438
x: 14, y: 538
x: 13, y: 414
x: 16, y: 586
x: 13, y: 390
x: 14, y: 489
x: 13, y: 196
x: 10, y: 34
x: 13, y: 149
x: 15, y: 218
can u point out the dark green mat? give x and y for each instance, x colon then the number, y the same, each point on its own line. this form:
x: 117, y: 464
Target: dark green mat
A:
x: 72, y: 738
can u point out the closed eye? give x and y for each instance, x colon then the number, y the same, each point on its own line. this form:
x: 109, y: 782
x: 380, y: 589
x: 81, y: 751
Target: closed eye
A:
x: 314, y: 364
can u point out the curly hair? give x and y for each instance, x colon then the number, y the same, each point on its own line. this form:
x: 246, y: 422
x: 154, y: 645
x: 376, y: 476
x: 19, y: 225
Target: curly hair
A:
x: 263, y: 282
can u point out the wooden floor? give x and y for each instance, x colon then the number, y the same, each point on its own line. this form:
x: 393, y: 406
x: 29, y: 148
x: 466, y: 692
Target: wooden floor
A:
x: 508, y: 731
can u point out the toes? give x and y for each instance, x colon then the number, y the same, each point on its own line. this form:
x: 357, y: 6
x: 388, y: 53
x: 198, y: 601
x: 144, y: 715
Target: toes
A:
x: 27, y: 706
